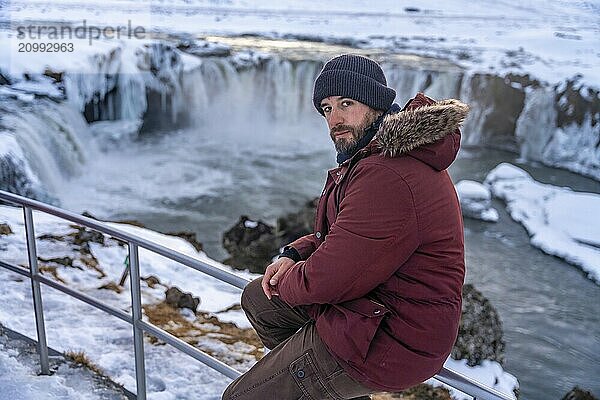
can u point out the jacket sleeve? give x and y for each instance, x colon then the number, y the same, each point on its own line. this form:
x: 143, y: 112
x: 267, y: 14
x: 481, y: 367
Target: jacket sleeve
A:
x: 374, y: 233
x: 305, y: 245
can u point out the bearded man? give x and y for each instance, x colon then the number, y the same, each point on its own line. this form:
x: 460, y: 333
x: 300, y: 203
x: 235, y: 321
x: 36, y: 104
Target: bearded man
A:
x: 371, y: 300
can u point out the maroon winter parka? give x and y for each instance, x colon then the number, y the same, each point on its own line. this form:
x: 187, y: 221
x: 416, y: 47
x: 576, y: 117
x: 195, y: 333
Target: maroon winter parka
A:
x: 382, y: 273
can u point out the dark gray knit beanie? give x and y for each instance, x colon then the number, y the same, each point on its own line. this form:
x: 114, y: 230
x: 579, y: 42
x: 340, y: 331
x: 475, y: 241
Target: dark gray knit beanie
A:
x: 356, y: 77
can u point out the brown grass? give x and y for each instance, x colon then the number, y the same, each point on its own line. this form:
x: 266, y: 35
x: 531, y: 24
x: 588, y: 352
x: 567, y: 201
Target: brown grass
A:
x: 52, y: 270
x: 112, y: 286
x: 5, y: 229
x: 90, y: 261
x: 205, y: 326
x: 81, y: 359
x: 152, y: 281
x: 50, y: 237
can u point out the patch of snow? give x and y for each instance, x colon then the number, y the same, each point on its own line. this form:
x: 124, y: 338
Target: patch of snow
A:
x: 560, y: 221
x: 489, y: 373
x: 9, y: 91
x: 107, y: 341
x: 250, y: 224
x: 19, y: 379
x: 41, y: 86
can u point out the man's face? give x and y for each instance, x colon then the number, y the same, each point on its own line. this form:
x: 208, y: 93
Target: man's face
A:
x: 347, y: 120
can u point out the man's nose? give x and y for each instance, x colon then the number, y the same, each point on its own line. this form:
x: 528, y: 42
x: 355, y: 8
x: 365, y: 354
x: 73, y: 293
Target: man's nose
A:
x: 335, y: 118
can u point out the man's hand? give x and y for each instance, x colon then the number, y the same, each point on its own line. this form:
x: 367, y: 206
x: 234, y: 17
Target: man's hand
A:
x: 273, y: 273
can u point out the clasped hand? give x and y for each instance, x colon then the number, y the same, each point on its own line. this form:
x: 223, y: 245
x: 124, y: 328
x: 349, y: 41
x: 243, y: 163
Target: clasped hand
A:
x: 273, y: 274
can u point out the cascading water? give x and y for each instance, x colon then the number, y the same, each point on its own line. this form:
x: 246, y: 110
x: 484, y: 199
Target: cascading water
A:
x: 46, y: 141
x: 157, y: 87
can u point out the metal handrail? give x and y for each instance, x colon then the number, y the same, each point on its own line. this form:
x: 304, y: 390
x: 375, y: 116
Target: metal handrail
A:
x: 447, y: 376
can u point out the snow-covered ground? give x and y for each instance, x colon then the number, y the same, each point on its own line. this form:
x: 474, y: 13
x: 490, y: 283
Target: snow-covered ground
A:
x: 552, y: 40
x: 19, y: 379
x: 560, y: 221
x: 107, y: 341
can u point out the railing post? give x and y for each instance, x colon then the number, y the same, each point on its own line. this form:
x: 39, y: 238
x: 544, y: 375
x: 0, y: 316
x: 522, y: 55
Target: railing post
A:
x: 37, y: 294
x: 138, y: 333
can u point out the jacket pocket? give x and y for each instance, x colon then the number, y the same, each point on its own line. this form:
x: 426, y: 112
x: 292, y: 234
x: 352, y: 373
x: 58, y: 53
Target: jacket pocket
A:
x: 363, y: 317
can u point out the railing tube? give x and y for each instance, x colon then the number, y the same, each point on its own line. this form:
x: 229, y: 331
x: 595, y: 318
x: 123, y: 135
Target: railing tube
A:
x: 138, y: 333
x: 38, y: 308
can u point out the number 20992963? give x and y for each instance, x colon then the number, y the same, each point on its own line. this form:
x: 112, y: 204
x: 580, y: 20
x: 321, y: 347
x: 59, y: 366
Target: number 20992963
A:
x: 45, y: 47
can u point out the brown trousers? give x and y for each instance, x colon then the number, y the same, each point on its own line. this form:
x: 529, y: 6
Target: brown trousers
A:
x: 299, y: 366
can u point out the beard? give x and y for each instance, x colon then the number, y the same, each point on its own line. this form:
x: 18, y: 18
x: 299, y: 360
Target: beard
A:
x: 343, y: 145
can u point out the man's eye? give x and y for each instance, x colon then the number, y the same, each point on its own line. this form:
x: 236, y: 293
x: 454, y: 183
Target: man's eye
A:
x: 346, y: 103
x: 326, y: 109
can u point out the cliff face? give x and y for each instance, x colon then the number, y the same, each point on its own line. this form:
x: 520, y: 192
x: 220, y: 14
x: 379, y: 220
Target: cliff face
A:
x: 555, y: 125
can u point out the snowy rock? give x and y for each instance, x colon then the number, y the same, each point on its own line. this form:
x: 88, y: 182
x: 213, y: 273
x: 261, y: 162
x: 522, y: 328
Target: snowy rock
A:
x: 248, y: 59
x: 203, y: 48
x: 476, y: 201
x: 253, y: 244
x: 560, y: 221
x: 40, y: 86
x: 480, y: 332
x: 559, y: 127
x: 555, y: 125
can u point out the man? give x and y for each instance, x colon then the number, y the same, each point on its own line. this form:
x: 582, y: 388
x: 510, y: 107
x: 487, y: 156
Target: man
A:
x: 371, y: 300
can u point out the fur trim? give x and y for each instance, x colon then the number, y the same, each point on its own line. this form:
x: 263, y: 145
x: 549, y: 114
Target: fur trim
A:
x: 404, y: 131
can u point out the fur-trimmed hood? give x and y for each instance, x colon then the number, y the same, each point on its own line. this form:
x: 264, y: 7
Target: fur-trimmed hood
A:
x: 419, y: 128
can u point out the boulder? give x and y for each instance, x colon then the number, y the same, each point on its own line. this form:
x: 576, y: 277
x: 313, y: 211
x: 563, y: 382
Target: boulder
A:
x: 4, y: 80
x: 252, y: 245
x: 480, y: 332
x: 5, y: 229
x: 179, y: 299
x: 579, y: 394
x: 85, y: 236
x: 203, y: 48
